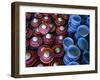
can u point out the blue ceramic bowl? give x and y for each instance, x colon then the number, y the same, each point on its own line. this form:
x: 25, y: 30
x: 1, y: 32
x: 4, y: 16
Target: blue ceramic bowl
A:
x: 85, y: 57
x: 67, y: 42
x: 82, y: 31
x: 73, y: 63
x: 88, y: 21
x: 73, y: 53
x: 66, y: 60
x: 82, y: 43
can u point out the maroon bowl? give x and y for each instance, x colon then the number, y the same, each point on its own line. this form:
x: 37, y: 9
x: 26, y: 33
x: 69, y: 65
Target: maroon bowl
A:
x: 28, y: 16
x: 55, y: 16
x: 28, y: 32
x: 46, y: 19
x: 44, y: 28
x: 27, y: 43
x: 31, y: 58
x: 35, y: 22
x: 38, y: 15
x: 59, y: 39
x: 48, y: 55
x: 64, y: 16
x: 59, y: 21
x: 41, y: 48
x: 36, y: 32
x: 52, y: 28
x: 40, y: 64
x: 61, y: 30
x: 56, y: 62
x: 48, y: 39
x: 35, y: 41
x: 58, y: 51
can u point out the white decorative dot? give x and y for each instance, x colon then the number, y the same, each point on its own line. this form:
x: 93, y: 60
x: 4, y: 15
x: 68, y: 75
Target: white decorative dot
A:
x: 28, y: 56
x: 55, y: 64
x: 46, y: 54
x: 46, y: 17
x: 43, y: 26
x: 35, y: 20
x: 39, y: 65
x: 59, y: 19
x: 60, y: 37
x: 48, y: 36
x: 35, y: 38
x: 57, y: 50
x: 37, y: 30
x: 61, y: 28
x: 51, y: 25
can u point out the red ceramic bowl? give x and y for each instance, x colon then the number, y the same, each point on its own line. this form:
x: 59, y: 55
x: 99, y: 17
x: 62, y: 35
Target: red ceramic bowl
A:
x: 64, y: 16
x: 46, y: 19
x: 28, y: 16
x: 44, y: 28
x: 31, y: 58
x: 38, y: 15
x: 35, y: 42
x: 35, y: 22
x: 59, y: 39
x: 27, y: 43
x: 28, y: 32
x: 40, y: 64
x: 46, y: 54
x: 58, y: 51
x: 61, y: 30
x: 36, y: 32
x: 59, y: 21
x: 56, y: 62
x: 52, y: 28
x: 48, y: 39
x: 41, y: 48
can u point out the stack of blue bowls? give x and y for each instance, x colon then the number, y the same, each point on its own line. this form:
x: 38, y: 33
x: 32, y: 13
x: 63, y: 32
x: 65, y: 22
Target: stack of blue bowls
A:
x: 72, y: 52
x: 73, y: 22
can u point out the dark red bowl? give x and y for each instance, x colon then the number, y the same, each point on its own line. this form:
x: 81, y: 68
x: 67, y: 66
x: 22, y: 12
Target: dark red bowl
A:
x: 35, y: 22
x: 52, y: 28
x: 59, y: 21
x: 38, y: 15
x: 41, y: 48
x: 46, y: 19
x: 61, y: 30
x: 46, y: 54
x: 27, y: 43
x: 56, y: 62
x: 44, y: 28
x: 36, y: 32
x: 31, y: 58
x: 28, y: 32
x: 64, y: 16
x: 59, y: 39
x: 58, y: 51
x: 35, y: 41
x: 40, y: 64
x: 48, y: 39
x: 28, y: 16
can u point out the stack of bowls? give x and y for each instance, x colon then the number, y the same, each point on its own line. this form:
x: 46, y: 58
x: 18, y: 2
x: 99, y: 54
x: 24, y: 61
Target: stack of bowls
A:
x: 73, y: 23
